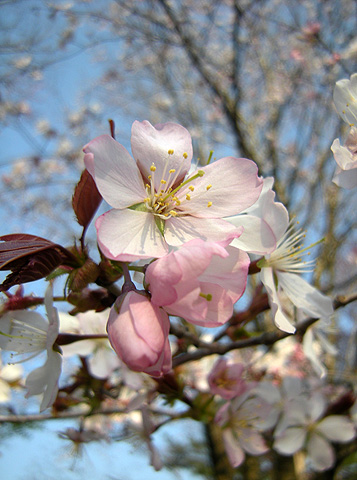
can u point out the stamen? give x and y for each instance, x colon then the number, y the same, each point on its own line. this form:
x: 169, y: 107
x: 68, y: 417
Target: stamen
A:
x: 207, y: 296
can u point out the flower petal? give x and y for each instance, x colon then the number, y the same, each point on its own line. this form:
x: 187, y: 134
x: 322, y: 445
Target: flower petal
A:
x: 280, y: 319
x: 128, y: 235
x: 151, y: 144
x: 290, y: 441
x: 320, y: 453
x: 180, y: 230
x: 231, y: 184
x: 304, y: 295
x: 115, y: 172
x: 257, y: 236
x: 337, y: 428
x: 234, y: 452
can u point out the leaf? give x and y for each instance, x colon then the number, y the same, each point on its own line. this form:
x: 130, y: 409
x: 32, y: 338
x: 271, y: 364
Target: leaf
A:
x: 86, y: 199
x: 30, y: 258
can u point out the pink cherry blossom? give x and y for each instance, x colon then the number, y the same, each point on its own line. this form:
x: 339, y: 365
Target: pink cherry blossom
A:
x: 201, y: 281
x: 138, y: 332
x: 155, y: 204
x: 226, y: 379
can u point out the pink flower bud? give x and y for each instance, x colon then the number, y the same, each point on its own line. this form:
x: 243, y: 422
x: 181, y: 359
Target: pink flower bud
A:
x: 138, y: 332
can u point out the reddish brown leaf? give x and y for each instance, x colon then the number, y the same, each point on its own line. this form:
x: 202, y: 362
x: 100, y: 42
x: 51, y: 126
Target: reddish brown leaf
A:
x: 30, y: 258
x: 86, y: 199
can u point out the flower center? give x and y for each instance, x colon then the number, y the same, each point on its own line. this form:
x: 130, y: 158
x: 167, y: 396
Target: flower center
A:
x: 289, y: 253
x: 166, y: 202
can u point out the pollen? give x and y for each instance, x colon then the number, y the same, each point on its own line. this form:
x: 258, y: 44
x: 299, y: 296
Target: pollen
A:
x: 209, y: 204
x: 208, y: 187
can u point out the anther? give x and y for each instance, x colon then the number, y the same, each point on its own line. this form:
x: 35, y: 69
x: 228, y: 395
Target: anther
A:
x: 188, y: 197
x: 163, y: 181
x: 153, y: 168
x: 170, y: 152
x: 185, y: 155
x: 191, y: 187
x: 209, y: 204
x: 208, y: 187
x: 172, y: 170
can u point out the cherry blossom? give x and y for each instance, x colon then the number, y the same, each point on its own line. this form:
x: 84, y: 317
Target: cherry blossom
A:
x: 29, y: 334
x: 138, y: 331
x: 346, y: 158
x: 200, y: 281
x: 101, y: 359
x: 226, y: 379
x: 154, y: 203
x: 242, y: 419
x: 345, y: 99
x: 315, y: 433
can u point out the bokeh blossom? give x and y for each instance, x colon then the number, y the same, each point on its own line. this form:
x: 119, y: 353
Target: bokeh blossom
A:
x: 28, y: 334
x: 345, y: 99
x: 154, y: 203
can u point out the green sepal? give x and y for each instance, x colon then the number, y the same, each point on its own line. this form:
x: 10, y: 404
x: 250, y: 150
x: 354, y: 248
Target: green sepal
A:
x: 160, y: 223
x: 140, y: 207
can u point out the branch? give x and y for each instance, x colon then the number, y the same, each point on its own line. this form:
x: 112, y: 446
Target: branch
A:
x: 268, y: 338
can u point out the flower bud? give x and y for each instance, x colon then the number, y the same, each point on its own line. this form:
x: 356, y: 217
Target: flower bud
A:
x: 138, y: 332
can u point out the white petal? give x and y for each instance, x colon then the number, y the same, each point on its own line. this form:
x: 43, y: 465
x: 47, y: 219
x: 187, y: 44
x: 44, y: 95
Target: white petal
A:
x: 252, y: 442
x: 129, y: 235
x: 304, y: 295
x: 345, y: 99
x: 280, y: 319
x: 320, y: 453
x: 257, y: 236
x: 346, y: 178
x: 44, y: 380
x: 290, y: 441
x: 115, y: 172
x: 337, y: 428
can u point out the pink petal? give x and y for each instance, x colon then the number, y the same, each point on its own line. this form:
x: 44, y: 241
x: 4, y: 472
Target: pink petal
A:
x: 115, y: 172
x: 234, y: 452
x: 150, y: 144
x: 235, y: 186
x: 128, y: 235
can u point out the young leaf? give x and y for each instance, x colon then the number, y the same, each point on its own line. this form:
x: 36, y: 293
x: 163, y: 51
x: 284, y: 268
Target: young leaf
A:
x: 30, y: 258
x: 86, y: 200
